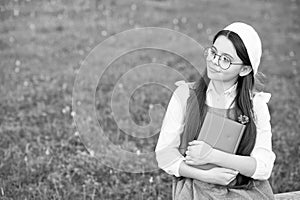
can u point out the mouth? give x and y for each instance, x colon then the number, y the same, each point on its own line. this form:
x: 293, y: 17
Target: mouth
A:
x: 213, y: 70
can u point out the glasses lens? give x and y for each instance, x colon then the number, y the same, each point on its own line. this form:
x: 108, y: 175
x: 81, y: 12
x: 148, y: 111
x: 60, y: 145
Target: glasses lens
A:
x: 208, y: 53
x: 224, y: 62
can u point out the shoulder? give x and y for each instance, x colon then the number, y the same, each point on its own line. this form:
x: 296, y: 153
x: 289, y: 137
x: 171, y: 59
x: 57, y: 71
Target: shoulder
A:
x: 260, y: 100
x: 261, y: 97
x: 182, y: 92
x: 191, y: 85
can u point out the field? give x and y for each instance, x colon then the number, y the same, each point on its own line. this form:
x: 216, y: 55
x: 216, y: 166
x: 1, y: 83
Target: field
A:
x: 44, y: 43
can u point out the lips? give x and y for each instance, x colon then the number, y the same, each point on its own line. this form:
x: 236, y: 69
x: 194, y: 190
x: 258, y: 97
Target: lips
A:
x: 213, y: 70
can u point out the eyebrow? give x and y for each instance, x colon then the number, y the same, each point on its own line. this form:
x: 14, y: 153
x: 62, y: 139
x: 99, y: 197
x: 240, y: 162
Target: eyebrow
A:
x: 224, y: 53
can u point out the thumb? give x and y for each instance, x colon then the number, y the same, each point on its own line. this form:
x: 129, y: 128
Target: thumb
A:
x: 195, y: 142
x: 231, y: 171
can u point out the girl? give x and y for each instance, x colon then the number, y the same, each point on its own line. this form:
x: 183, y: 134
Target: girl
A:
x: 226, y: 89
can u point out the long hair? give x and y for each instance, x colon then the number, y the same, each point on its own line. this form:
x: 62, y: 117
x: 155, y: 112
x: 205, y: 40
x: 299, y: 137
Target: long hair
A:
x: 196, y: 107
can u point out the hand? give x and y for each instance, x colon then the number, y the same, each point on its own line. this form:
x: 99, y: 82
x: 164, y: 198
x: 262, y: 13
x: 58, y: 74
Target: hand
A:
x: 221, y: 176
x: 198, y: 153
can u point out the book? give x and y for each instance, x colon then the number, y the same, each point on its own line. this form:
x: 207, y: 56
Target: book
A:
x: 221, y: 133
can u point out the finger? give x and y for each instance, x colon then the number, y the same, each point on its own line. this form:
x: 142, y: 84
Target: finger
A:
x: 194, y: 142
x: 190, y: 162
x: 190, y: 149
x: 187, y: 152
x: 231, y: 171
x: 188, y: 157
x: 230, y: 180
x: 234, y: 173
x: 194, y: 149
x: 228, y: 170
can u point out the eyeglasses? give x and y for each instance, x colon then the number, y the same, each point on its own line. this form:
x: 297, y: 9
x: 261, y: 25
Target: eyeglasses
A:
x: 224, y: 61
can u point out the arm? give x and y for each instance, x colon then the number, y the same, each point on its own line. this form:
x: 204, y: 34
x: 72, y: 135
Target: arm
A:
x: 246, y: 165
x: 260, y: 163
x: 167, y: 154
x: 217, y: 175
x: 262, y: 151
x: 191, y: 172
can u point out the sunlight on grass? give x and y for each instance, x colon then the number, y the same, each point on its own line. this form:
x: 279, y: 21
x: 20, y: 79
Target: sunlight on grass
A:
x: 42, y: 44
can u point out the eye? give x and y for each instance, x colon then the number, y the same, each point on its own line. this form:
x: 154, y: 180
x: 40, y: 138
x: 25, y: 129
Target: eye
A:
x: 213, y: 52
x: 225, y: 59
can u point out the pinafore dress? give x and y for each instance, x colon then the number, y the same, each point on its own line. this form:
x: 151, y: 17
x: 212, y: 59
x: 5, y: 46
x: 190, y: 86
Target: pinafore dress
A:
x: 192, y: 189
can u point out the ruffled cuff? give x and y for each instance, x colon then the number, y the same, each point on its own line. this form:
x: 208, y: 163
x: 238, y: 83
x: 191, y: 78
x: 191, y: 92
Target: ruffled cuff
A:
x: 169, y: 160
x: 264, y: 163
x: 175, y: 167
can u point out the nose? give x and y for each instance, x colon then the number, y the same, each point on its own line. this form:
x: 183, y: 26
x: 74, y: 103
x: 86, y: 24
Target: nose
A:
x: 215, y: 60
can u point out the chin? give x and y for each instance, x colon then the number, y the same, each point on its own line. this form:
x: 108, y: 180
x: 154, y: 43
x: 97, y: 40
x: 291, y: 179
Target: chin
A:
x: 214, y: 76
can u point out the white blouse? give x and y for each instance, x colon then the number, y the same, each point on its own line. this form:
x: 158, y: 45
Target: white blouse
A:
x: 167, y: 153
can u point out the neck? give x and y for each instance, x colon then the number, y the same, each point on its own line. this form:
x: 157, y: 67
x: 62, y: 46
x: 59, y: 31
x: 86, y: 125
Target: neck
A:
x: 221, y: 86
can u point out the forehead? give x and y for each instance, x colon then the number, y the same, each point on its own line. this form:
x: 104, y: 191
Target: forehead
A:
x: 225, y: 46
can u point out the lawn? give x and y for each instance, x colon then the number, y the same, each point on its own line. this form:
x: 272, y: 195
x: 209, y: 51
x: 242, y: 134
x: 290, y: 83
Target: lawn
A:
x: 43, y: 154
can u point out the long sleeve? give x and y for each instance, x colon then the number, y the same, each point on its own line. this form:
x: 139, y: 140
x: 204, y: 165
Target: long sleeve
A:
x: 167, y: 154
x: 262, y: 151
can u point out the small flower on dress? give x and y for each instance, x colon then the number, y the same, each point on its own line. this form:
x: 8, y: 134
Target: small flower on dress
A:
x: 243, y: 119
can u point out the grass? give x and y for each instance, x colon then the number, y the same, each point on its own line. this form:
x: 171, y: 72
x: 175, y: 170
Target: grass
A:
x: 42, y: 44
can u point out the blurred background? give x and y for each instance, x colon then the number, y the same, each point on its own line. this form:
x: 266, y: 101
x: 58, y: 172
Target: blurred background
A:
x: 42, y: 44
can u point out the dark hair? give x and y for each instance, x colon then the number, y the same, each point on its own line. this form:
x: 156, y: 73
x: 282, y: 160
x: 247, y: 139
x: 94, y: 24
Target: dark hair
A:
x: 196, y: 107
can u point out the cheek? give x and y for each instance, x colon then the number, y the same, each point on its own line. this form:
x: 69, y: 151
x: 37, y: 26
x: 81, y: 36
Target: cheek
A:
x: 233, y: 71
x: 229, y: 75
x: 224, y: 75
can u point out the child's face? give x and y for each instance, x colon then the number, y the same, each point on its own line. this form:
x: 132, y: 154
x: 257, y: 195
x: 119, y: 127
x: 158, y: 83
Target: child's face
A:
x: 224, y: 46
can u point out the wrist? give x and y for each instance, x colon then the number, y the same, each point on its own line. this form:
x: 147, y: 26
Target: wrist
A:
x: 203, y: 175
x: 213, y: 156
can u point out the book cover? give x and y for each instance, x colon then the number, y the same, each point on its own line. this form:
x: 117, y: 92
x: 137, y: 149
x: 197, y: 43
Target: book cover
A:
x: 221, y: 133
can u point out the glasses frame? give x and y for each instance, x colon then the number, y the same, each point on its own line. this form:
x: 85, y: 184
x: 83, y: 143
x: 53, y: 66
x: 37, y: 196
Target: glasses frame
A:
x: 230, y: 63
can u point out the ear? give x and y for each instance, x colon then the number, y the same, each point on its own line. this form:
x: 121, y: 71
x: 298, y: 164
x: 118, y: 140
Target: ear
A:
x: 245, y: 70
